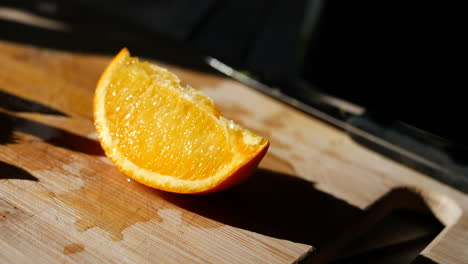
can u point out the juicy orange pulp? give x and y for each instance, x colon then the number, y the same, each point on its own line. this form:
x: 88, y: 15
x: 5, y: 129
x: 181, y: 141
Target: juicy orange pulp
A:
x: 168, y: 136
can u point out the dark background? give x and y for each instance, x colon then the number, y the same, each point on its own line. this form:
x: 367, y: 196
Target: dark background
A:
x: 401, y: 60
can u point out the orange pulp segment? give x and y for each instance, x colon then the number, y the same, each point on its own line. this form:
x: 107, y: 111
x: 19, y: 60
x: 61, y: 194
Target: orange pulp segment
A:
x: 167, y: 136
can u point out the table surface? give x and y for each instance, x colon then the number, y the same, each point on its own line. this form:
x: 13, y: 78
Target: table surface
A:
x: 61, y: 200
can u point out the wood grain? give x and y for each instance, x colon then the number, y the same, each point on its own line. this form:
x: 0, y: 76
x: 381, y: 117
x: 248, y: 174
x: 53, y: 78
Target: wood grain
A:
x: 316, y: 189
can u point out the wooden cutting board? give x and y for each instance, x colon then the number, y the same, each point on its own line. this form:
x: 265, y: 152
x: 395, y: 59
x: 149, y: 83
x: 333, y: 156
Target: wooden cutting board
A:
x: 62, y: 201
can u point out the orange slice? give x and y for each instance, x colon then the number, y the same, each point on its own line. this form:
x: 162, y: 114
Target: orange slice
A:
x: 167, y: 136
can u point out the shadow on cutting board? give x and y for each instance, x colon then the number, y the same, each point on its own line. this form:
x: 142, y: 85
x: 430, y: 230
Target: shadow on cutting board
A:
x: 55, y: 136
x: 15, y: 103
x: 287, y: 207
x: 276, y: 205
x: 49, y: 134
x: 8, y: 171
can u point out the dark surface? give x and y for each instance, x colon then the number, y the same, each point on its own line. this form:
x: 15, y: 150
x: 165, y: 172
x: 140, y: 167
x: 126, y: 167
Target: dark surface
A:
x: 423, y: 260
x: 404, y: 60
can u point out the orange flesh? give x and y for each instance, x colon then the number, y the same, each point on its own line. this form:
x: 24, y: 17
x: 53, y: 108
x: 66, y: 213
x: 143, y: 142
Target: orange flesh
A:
x: 160, y: 129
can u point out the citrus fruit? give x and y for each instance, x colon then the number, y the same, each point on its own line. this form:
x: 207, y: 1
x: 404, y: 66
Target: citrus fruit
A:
x: 168, y: 136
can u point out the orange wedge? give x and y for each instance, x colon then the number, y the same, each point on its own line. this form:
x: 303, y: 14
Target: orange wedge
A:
x: 167, y: 136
